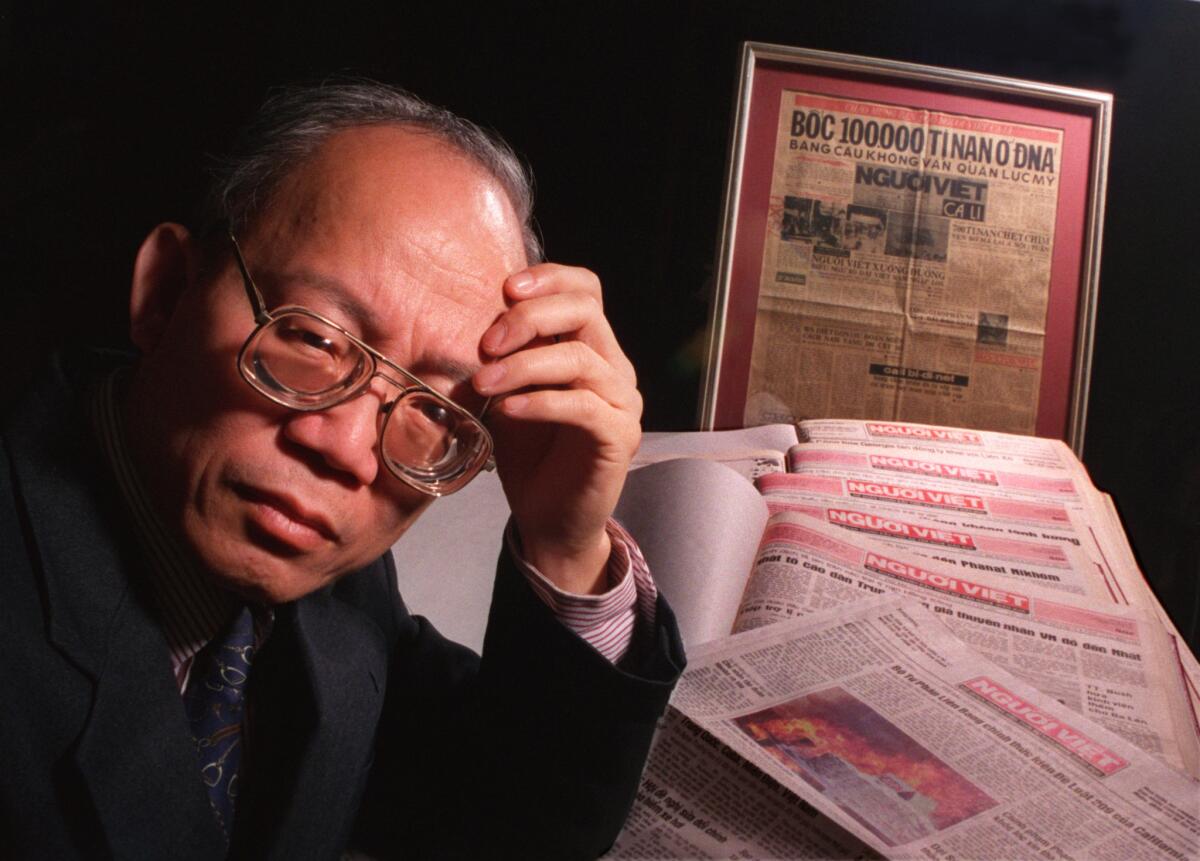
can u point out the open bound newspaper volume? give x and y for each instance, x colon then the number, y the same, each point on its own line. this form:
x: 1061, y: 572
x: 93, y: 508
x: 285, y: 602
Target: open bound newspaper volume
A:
x: 1012, y: 565
x: 1009, y: 565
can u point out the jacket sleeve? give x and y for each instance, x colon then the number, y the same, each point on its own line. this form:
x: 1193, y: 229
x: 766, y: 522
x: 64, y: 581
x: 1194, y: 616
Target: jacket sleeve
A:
x: 535, y: 750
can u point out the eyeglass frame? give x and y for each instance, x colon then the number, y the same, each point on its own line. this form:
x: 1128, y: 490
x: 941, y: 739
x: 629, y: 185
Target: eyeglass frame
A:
x: 264, y: 318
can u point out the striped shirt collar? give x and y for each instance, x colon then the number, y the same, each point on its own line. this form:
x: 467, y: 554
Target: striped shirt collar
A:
x: 193, y: 609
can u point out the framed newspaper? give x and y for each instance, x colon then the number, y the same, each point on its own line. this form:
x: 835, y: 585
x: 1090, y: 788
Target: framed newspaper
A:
x: 904, y: 242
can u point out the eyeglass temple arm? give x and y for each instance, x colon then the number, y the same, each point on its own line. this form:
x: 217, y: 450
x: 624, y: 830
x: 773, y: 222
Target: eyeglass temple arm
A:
x: 252, y: 292
x: 490, y: 464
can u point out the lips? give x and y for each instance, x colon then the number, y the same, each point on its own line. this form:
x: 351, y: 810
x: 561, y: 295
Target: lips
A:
x: 285, y: 519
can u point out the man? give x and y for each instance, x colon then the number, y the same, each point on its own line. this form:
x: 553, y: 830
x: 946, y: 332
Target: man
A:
x: 205, y: 651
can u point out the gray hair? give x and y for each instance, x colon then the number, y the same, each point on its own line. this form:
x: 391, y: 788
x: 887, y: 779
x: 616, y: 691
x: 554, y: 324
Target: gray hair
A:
x: 296, y: 120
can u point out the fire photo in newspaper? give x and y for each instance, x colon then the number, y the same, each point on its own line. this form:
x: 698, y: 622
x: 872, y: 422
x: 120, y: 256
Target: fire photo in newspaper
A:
x: 863, y: 762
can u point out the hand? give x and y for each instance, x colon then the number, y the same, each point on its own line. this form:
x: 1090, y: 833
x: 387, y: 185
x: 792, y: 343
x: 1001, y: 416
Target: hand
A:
x: 565, y: 419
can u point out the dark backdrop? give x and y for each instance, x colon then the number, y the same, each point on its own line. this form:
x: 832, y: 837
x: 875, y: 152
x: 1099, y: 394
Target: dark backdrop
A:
x: 623, y: 109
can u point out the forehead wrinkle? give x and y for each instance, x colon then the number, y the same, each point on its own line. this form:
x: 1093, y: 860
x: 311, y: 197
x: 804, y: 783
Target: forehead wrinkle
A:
x: 364, y: 315
x: 445, y: 264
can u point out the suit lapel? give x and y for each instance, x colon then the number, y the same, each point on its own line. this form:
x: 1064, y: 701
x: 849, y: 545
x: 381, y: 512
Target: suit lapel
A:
x: 317, y: 691
x: 134, y: 754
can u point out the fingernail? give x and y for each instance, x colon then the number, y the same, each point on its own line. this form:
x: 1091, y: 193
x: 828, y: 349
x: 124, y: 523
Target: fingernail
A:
x: 514, y: 404
x: 494, y: 337
x: 521, y: 283
x: 488, y: 376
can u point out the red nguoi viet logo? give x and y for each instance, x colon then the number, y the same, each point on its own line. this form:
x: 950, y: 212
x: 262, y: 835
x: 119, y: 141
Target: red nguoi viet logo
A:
x: 952, y: 435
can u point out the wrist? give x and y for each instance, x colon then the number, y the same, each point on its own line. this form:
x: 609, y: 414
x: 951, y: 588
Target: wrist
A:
x: 578, y: 568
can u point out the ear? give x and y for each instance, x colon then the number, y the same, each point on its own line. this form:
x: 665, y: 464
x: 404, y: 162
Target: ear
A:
x: 166, y: 265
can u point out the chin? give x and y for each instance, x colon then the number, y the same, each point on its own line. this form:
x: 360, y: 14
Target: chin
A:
x: 265, y: 575
x: 267, y: 566
x: 269, y: 585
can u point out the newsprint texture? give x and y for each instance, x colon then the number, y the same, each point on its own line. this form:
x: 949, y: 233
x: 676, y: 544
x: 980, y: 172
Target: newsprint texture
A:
x: 906, y: 266
x: 867, y: 731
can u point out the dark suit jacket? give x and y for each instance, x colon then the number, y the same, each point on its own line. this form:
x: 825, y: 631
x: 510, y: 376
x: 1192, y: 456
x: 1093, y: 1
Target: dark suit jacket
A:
x: 368, y: 728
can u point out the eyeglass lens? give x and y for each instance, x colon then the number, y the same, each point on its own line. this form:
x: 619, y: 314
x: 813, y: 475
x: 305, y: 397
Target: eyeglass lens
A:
x: 422, y: 435
x: 305, y: 360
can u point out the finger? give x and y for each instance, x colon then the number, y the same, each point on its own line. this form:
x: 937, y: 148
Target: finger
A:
x: 558, y: 291
x: 547, y: 278
x: 554, y: 317
x: 567, y: 364
x: 580, y: 408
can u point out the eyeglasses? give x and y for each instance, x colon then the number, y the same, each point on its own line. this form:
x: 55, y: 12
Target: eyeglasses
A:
x: 303, y: 361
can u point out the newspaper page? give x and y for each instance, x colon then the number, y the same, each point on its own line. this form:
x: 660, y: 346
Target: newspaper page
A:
x: 749, y: 451
x: 656, y: 445
x: 999, y: 451
x: 1190, y: 670
x: 1029, y: 500
x: 1115, y: 665
x: 879, y: 718
x: 698, y: 524
x: 699, y: 799
x: 991, y: 462
x: 1131, y: 580
x: 748, y: 463
x: 1016, y: 544
x: 949, y: 470
x: 906, y: 266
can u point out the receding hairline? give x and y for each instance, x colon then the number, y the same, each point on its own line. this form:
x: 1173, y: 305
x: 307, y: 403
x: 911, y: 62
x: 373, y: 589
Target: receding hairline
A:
x: 443, y: 145
x: 295, y: 123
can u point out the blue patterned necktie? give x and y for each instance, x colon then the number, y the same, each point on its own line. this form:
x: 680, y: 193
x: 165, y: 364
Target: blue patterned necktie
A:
x: 214, y: 701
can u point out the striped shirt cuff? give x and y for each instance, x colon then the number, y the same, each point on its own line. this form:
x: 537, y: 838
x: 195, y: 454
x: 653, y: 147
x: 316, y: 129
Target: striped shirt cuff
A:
x: 607, y: 621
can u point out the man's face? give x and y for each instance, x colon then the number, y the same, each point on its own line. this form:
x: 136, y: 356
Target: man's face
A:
x: 400, y: 240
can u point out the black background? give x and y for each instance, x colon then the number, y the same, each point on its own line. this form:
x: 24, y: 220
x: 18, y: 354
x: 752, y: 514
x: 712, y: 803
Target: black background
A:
x: 623, y: 109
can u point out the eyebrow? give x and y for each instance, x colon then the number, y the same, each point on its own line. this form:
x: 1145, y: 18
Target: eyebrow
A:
x: 453, y: 369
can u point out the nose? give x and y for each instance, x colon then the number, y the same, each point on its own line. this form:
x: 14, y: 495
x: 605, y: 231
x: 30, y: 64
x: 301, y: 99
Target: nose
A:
x: 344, y: 436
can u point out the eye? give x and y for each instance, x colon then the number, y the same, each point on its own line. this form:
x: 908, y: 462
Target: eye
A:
x: 301, y: 335
x: 434, y: 412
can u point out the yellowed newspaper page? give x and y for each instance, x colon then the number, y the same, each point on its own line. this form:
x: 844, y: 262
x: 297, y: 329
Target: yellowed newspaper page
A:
x: 906, y: 266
